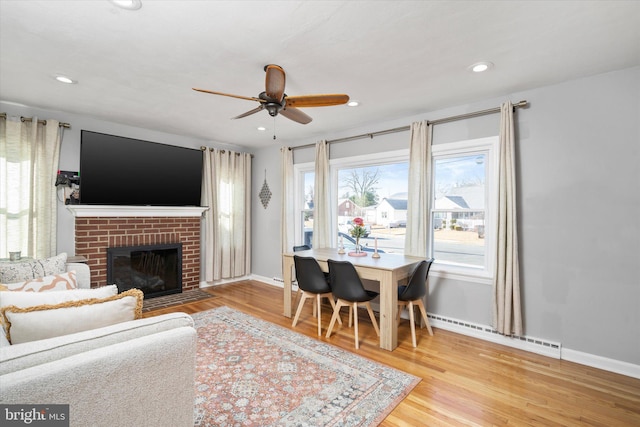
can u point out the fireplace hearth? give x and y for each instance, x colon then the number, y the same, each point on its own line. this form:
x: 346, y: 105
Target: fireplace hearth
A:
x: 154, y: 269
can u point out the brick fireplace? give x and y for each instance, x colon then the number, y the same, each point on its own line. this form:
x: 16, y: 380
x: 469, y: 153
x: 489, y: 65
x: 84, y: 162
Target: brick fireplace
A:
x: 100, y: 227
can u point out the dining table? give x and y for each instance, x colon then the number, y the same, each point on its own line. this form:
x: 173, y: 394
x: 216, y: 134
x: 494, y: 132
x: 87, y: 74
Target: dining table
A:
x: 390, y: 270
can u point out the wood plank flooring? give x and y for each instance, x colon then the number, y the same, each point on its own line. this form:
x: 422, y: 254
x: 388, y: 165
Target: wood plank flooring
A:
x: 465, y: 381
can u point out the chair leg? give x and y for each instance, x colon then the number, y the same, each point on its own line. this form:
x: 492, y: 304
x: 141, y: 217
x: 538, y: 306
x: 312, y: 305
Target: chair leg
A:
x: 333, y: 305
x: 300, y: 305
x: 423, y: 311
x: 355, y: 324
x: 401, y: 305
x: 297, y: 300
x: 373, y: 318
x: 319, y: 312
x: 336, y: 315
x: 412, y: 320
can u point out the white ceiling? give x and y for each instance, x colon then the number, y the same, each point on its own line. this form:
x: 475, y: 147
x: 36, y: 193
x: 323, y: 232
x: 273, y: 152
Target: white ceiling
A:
x: 398, y: 58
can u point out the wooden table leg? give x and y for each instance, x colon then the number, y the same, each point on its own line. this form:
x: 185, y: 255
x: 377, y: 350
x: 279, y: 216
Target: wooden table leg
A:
x: 388, y: 310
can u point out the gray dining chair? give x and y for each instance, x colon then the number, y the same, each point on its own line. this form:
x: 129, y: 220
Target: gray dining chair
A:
x: 314, y: 284
x: 413, y: 294
x: 347, y: 287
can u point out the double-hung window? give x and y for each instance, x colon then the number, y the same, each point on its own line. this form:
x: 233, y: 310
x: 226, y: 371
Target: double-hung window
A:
x: 464, y: 189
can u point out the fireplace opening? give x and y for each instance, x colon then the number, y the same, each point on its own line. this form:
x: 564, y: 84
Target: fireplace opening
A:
x: 154, y: 269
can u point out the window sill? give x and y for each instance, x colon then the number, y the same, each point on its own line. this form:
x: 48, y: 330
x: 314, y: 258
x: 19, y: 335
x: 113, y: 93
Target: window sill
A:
x: 461, y: 274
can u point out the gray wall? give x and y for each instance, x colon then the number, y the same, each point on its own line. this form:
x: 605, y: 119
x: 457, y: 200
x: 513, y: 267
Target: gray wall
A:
x: 578, y: 157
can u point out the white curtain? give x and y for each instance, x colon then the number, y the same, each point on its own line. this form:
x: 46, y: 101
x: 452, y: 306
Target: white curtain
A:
x: 507, y: 316
x: 419, y: 197
x: 322, y: 204
x: 227, y: 193
x: 287, y: 218
x: 29, y: 153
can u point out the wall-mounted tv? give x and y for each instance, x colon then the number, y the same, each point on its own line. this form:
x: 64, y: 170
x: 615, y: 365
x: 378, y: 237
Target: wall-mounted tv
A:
x: 122, y: 171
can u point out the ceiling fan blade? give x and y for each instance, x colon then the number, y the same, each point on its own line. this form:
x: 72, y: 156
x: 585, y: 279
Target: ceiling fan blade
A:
x: 250, y: 112
x: 323, y: 100
x: 248, y: 98
x: 295, y: 115
x: 274, y: 82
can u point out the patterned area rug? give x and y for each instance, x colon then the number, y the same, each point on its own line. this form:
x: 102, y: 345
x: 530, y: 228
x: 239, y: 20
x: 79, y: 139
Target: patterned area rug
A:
x: 250, y: 372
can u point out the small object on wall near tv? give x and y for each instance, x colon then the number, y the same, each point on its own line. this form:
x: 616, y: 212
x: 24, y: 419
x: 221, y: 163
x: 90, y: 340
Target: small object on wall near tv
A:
x: 68, y: 182
x: 116, y: 170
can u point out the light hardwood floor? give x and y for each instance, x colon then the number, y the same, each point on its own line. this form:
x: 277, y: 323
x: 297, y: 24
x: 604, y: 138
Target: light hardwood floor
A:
x: 465, y: 381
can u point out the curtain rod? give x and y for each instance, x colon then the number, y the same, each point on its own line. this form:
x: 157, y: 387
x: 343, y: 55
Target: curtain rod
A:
x: 42, y: 122
x: 520, y: 104
x: 203, y: 148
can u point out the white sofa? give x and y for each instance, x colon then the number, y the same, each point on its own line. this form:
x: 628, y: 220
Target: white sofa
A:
x: 83, y: 273
x: 135, y: 373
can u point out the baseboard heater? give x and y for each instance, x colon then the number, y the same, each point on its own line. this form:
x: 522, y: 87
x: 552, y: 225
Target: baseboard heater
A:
x: 487, y: 333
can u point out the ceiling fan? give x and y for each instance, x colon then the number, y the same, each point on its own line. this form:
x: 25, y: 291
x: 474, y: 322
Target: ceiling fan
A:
x: 275, y: 101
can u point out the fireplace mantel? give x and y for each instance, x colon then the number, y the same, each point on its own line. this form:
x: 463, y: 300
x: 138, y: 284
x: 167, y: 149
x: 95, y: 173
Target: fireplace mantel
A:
x: 86, y: 211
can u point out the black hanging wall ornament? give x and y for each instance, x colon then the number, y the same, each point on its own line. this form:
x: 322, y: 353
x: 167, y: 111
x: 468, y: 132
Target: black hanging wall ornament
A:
x: 265, y: 192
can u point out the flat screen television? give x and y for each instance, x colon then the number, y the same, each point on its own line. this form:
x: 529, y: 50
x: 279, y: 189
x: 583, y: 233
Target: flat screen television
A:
x: 122, y: 171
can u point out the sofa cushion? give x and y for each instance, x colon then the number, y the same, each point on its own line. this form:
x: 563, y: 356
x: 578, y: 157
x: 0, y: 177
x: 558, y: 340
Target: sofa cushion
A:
x: 56, y: 282
x: 21, y: 271
x: 24, y: 324
x: 23, y: 356
x: 30, y: 299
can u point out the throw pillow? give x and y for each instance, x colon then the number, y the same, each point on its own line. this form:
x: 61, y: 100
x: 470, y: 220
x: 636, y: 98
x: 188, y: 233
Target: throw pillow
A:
x: 57, y: 282
x: 21, y: 271
x: 47, y: 321
x: 30, y: 299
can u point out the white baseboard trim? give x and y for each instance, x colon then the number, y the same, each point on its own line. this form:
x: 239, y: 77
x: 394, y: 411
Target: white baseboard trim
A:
x: 604, y: 363
x: 534, y: 345
x: 205, y: 284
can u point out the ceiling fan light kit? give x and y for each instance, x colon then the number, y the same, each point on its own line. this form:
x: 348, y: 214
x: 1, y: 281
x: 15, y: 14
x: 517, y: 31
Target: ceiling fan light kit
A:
x: 275, y: 101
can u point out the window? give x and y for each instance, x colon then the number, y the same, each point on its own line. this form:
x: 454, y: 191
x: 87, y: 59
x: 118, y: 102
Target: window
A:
x: 463, y: 193
x: 365, y: 187
x: 305, y: 226
x: 374, y: 187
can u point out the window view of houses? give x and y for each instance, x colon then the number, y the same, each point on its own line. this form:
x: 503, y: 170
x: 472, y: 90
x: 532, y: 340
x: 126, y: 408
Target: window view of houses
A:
x: 378, y: 193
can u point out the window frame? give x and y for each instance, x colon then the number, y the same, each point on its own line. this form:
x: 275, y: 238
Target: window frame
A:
x: 363, y: 160
x: 299, y: 170
x: 488, y: 145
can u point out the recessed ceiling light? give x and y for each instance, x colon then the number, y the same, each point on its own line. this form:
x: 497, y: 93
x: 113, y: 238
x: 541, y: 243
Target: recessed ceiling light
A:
x: 262, y: 128
x: 479, y: 67
x: 127, y: 4
x: 353, y: 103
x: 65, y: 79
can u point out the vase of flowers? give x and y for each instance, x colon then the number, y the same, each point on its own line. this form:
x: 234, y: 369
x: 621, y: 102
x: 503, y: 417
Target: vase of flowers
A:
x: 357, y: 231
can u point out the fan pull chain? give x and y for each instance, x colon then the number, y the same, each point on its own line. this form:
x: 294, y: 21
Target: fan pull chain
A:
x: 274, y: 127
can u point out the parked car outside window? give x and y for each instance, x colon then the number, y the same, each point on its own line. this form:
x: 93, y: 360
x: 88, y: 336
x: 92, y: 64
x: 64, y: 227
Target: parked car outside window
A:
x: 401, y: 223
x: 350, y: 244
